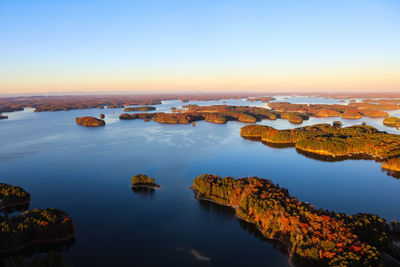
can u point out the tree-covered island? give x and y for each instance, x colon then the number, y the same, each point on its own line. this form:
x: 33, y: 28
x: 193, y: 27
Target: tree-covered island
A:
x: 142, y: 180
x: 12, y: 195
x: 217, y: 114
x: 90, y: 121
x: 31, y: 226
x: 334, y: 141
x: 313, y: 237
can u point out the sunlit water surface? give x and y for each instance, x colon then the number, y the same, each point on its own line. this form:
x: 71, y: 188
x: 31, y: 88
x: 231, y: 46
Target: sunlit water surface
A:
x: 87, y: 171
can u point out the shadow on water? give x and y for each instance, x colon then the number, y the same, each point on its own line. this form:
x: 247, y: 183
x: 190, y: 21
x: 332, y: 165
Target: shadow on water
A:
x: 25, y: 256
x: 325, y: 158
x: 229, y: 212
x: 144, y: 192
x: 268, y: 144
x: 9, y: 211
x: 395, y: 174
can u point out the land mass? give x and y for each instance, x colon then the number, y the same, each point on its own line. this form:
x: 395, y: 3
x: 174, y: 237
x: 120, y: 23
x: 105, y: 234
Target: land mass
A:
x: 144, y: 108
x: 392, y: 122
x: 30, y: 227
x: 69, y: 102
x: 12, y: 195
x: 217, y: 114
x: 312, y: 237
x: 142, y: 180
x: 333, y: 141
x: 90, y: 121
x: 350, y: 111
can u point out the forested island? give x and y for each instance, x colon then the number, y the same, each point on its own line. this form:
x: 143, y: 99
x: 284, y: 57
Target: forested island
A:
x: 392, y: 122
x: 264, y: 99
x: 333, y: 141
x: 34, y: 226
x: 350, y: 111
x: 31, y: 226
x: 217, y: 114
x: 12, y: 195
x: 143, y: 108
x: 142, y: 180
x: 313, y: 237
x: 90, y: 121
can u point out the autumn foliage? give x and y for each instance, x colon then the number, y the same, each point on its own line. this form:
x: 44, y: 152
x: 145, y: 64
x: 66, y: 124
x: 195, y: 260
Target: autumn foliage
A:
x: 312, y: 236
x: 333, y: 141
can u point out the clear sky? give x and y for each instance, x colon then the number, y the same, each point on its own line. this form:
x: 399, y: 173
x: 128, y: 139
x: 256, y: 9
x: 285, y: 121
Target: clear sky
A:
x: 209, y: 45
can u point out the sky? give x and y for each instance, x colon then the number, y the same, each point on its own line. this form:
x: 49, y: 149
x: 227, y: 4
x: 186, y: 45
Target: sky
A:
x: 199, y: 45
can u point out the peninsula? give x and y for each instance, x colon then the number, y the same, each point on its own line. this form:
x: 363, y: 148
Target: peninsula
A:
x: 334, y: 141
x: 312, y: 237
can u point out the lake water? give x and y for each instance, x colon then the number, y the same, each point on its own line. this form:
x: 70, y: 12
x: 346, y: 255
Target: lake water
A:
x: 87, y: 173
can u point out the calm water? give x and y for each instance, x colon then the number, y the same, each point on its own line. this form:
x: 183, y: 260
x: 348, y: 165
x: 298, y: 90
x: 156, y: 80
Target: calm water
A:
x: 87, y: 171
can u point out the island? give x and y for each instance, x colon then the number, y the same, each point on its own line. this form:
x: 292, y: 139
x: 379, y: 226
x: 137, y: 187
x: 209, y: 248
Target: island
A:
x: 392, y: 122
x: 334, y: 142
x: 90, y: 121
x: 102, y: 116
x: 143, y: 108
x: 34, y: 226
x: 31, y: 226
x: 3, y: 117
x: 350, y: 111
x: 264, y: 99
x: 351, y: 115
x: 313, y: 237
x: 12, y: 195
x: 144, y: 181
x: 219, y: 114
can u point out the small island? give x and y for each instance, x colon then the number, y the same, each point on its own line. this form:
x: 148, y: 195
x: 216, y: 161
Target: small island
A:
x: 12, y: 195
x: 392, y: 122
x: 359, y: 141
x: 313, y: 237
x: 144, y: 181
x: 143, y: 108
x: 3, y: 117
x: 102, y: 116
x: 90, y: 121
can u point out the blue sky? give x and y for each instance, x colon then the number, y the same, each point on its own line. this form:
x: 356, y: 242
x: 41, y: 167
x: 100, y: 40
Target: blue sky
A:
x: 343, y: 45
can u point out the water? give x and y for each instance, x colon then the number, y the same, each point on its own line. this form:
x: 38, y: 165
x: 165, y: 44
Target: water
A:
x: 87, y: 171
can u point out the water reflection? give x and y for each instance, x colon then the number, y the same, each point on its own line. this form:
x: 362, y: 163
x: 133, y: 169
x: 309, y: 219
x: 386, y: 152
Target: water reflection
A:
x: 229, y: 212
x: 9, y: 210
x: 144, y: 192
x: 30, y: 254
x: 325, y: 158
x: 392, y: 173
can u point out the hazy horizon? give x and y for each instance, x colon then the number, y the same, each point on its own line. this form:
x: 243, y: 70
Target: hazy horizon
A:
x: 179, y: 46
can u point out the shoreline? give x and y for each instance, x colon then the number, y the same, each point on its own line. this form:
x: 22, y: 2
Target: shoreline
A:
x: 15, y: 204
x: 196, y: 195
x: 329, y: 155
x: 156, y: 186
x: 35, y: 241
